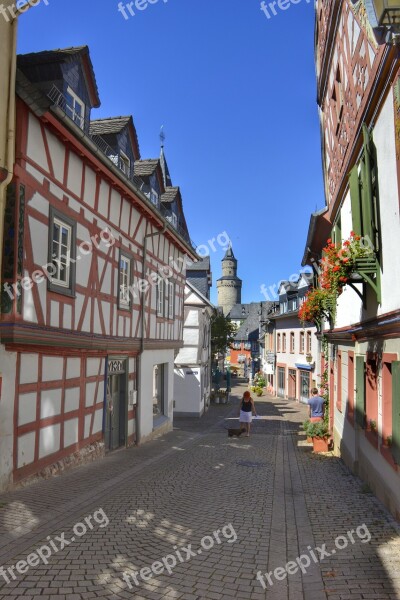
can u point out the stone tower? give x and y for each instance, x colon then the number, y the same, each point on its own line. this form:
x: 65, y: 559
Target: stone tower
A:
x: 229, y: 285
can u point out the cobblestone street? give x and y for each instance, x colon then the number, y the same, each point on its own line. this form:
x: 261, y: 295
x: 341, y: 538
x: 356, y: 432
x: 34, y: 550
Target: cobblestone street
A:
x: 269, y: 491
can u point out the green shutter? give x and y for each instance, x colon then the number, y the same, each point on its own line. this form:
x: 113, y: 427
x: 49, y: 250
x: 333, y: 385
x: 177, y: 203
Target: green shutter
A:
x: 371, y: 201
x: 360, y: 390
x: 396, y: 411
x: 355, y: 200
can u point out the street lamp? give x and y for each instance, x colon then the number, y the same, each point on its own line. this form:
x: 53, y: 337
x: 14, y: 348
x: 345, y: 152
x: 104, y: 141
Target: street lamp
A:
x: 387, y: 12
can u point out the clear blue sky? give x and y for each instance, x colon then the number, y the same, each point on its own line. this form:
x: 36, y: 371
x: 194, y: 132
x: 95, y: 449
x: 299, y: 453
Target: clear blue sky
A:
x: 236, y: 94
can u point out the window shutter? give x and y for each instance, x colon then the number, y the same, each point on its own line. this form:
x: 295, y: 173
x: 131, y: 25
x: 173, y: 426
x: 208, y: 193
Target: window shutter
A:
x: 396, y: 411
x: 360, y: 391
x: 355, y: 200
x: 370, y: 191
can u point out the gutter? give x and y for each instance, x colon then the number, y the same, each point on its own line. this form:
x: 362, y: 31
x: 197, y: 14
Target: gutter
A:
x: 11, y: 127
x: 140, y: 355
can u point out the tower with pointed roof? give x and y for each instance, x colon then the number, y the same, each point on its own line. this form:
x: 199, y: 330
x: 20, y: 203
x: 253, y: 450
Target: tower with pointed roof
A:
x: 229, y: 285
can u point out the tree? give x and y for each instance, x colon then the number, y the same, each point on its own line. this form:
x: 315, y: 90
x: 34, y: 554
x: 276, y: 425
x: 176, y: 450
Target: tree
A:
x: 222, y: 333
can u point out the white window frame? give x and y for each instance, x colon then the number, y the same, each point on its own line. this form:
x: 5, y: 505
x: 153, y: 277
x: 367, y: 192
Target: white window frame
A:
x: 124, y: 279
x: 76, y: 118
x: 160, y: 298
x: 154, y: 199
x: 124, y: 163
x: 171, y: 299
x: 61, y: 257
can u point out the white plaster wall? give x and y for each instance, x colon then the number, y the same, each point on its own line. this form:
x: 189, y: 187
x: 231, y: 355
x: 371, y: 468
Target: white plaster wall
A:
x: 49, y: 440
x: 187, y: 390
x: 149, y: 359
x: 349, y: 309
x: 384, y: 140
x: 52, y: 368
x: 71, y: 429
x: 8, y: 364
x: 35, y: 147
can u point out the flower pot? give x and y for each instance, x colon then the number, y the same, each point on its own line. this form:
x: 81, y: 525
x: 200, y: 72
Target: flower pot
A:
x: 320, y: 444
x: 309, y: 440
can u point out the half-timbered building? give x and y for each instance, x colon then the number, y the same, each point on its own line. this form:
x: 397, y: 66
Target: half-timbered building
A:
x: 359, y: 99
x: 93, y: 277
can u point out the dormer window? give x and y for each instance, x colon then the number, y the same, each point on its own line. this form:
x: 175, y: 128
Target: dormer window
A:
x: 75, y: 108
x: 154, y: 197
x: 124, y: 163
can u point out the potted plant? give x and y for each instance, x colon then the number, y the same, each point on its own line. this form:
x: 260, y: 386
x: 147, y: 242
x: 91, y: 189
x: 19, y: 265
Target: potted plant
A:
x: 319, y: 432
x: 373, y: 425
x: 258, y: 391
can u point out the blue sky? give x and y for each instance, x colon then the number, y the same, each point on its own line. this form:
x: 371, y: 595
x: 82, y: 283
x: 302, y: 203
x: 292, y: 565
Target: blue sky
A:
x: 236, y: 94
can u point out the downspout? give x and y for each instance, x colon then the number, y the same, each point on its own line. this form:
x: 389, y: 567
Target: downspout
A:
x: 142, y: 334
x: 10, y: 144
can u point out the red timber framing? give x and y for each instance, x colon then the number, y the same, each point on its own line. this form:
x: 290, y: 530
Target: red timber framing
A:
x: 346, y: 79
x: 62, y: 341
x: 371, y: 398
x: 387, y: 402
x: 339, y: 382
x: 350, y: 387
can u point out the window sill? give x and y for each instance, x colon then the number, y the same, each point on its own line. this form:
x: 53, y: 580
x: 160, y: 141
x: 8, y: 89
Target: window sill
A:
x: 55, y: 289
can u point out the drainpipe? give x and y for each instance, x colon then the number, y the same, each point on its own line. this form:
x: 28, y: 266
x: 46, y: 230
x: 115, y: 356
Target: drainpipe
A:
x: 10, y: 140
x: 142, y: 334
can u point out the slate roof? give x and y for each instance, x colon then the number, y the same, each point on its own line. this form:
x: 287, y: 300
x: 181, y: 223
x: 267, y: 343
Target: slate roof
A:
x: 109, y: 125
x: 165, y: 169
x: 252, y: 319
x: 170, y: 194
x: 146, y: 167
x: 229, y: 253
x: 201, y: 265
x: 27, y: 62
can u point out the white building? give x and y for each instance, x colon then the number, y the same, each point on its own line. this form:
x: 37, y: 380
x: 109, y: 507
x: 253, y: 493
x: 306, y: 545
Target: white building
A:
x: 192, y: 375
x: 296, y: 346
x: 358, y: 72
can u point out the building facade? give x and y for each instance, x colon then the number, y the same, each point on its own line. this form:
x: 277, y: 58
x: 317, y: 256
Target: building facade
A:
x: 296, y: 347
x: 359, y: 99
x: 93, y: 277
x: 192, y: 375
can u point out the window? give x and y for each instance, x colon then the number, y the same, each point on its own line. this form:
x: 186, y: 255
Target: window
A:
x: 154, y: 197
x: 364, y: 193
x: 309, y: 341
x: 75, y: 108
x: 124, y: 164
x: 159, y: 390
x: 283, y: 342
x: 124, y: 281
x: 160, y: 297
x: 292, y: 342
x: 171, y: 299
x: 278, y: 342
x: 301, y: 342
x: 62, y: 253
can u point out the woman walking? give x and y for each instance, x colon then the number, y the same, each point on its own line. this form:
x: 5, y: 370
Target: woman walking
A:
x: 247, y: 409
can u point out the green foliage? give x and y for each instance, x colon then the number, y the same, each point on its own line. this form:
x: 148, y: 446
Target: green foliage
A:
x: 318, y: 429
x: 259, y: 381
x: 222, y: 333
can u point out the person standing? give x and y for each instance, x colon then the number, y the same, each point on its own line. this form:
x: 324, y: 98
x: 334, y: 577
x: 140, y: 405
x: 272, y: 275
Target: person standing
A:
x: 247, y: 409
x: 316, y: 406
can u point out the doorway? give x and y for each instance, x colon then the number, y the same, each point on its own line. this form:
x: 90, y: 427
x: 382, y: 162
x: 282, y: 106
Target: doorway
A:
x: 116, y: 408
x: 292, y: 384
x: 281, y: 382
x: 304, y: 386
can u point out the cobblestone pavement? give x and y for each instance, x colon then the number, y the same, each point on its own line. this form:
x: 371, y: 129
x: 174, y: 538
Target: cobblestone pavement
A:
x: 269, y: 496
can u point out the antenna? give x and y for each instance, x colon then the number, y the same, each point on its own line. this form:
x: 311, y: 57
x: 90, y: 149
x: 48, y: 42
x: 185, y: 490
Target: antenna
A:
x: 162, y: 136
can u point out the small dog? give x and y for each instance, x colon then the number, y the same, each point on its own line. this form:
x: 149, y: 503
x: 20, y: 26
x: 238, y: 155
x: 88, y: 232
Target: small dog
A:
x: 235, y: 432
